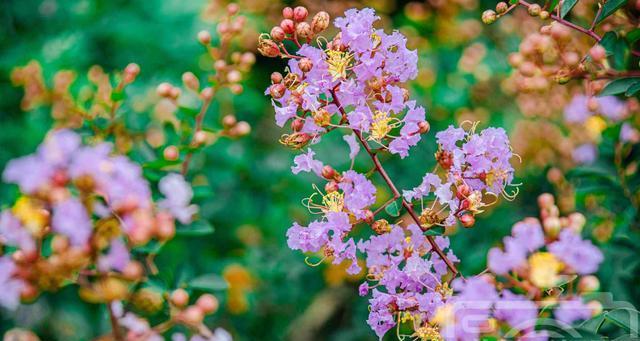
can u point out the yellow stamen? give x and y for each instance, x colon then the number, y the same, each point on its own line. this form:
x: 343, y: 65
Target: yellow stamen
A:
x: 338, y: 62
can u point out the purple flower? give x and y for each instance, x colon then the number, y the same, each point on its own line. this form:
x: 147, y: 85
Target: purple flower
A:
x: 13, y: 233
x: 585, y: 154
x: 70, y: 218
x: 581, y: 255
x: 30, y: 173
x: 117, y: 258
x: 356, y: 27
x: 518, y: 311
x: 572, y: 310
x: 577, y: 111
x: 306, y: 163
x: 359, y: 192
x: 629, y: 134
x: 178, y: 194
x: 354, y: 146
x: 448, y: 138
x: 10, y: 287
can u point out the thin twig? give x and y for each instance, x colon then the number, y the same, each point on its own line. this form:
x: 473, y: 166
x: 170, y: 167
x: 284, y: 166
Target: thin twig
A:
x: 408, y: 207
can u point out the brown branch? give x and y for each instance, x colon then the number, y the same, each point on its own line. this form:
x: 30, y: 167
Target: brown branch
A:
x: 115, y: 327
x: 408, y: 207
x: 199, y: 119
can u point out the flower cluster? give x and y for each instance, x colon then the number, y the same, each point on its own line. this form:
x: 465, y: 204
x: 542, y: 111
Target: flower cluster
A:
x: 362, y: 69
x: 475, y: 165
x: 91, y: 206
x: 532, y: 276
x: 355, y: 83
x: 91, y: 217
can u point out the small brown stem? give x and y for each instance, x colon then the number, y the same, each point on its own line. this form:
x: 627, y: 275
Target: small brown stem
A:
x: 115, y: 326
x: 198, y: 128
x: 408, y: 207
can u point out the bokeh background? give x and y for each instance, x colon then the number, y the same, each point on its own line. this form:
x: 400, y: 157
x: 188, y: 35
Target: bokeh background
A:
x: 254, y: 198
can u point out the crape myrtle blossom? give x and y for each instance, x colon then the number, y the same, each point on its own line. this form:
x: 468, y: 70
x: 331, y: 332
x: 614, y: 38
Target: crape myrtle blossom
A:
x: 532, y: 273
x: 354, y: 83
x: 475, y: 165
x: 93, y: 205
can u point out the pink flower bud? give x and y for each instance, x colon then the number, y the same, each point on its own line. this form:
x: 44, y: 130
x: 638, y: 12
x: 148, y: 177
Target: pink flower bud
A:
x: 204, y: 37
x: 288, y: 26
x: 276, y: 77
x: 277, y: 34
x: 303, y: 30
x: 467, y: 220
x: 287, y: 13
x: 320, y: 22
x: 305, y: 64
x: 171, y: 153
x: 300, y: 13
x: 277, y: 90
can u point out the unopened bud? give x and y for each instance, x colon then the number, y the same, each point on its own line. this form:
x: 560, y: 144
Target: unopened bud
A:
x: 598, y: 53
x: 489, y: 16
x: 171, y: 153
x: 242, y: 128
x: 179, y: 298
x: 268, y: 48
x: 232, y: 9
x: 534, y: 10
x: 381, y: 226
x: 320, y: 22
x: 207, y: 303
x: 502, y: 7
x: 234, y: 76
x: 164, y: 89
x: 133, y: 271
x: 276, y: 77
x: 190, y: 81
x: 551, y: 226
x: 424, y: 127
x: 288, y: 26
x: 305, y: 64
x: 130, y: 72
x: 303, y: 30
x: 297, y: 124
x: 204, y: 37
x: 328, y: 172
x: 277, y: 34
x: 300, y: 13
x: 192, y: 316
x: 207, y: 93
x: 588, y: 284
x: 463, y: 191
x: 467, y: 220
x: 277, y: 90
x: 544, y: 15
x: 236, y: 89
x: 287, y: 13
x: 229, y: 121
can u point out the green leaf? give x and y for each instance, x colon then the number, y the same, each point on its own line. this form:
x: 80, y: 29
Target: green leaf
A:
x: 552, y: 4
x: 619, y: 86
x: 609, y: 8
x: 393, y: 209
x: 623, y: 318
x: 196, y: 228
x: 567, y: 6
x: 593, y: 324
x: 118, y: 96
x: 435, y: 231
x: 633, y: 36
x: 632, y: 90
x: 208, y: 282
x: 616, y: 47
